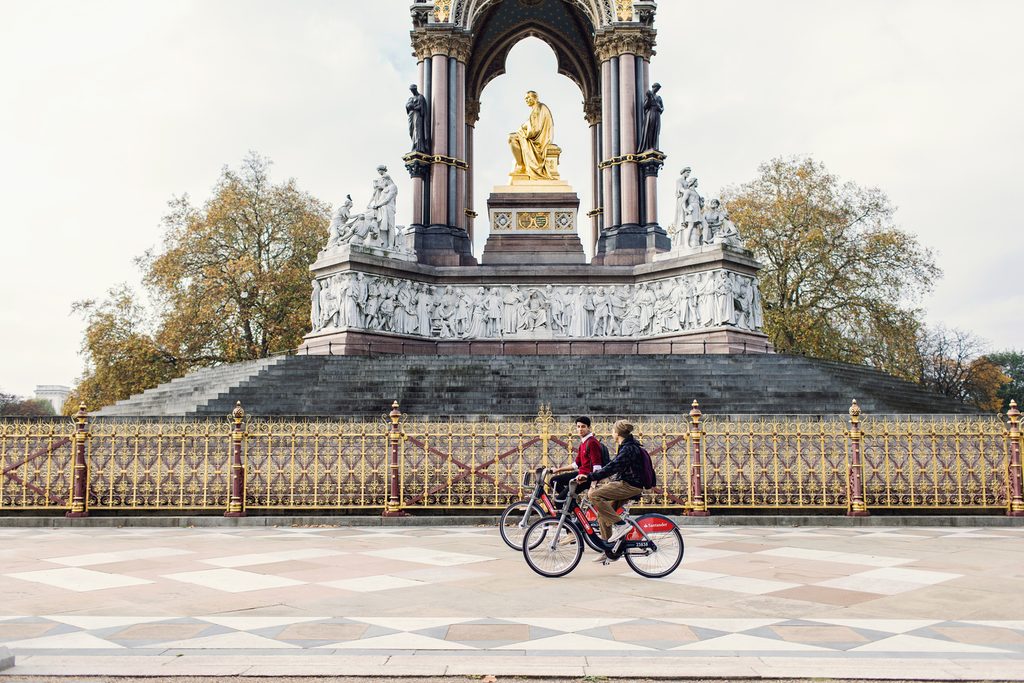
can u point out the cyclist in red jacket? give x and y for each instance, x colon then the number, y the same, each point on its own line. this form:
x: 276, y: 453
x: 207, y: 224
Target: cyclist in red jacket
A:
x: 588, y: 460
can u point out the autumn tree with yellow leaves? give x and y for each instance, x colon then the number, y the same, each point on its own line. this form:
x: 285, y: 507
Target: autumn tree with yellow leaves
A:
x: 229, y: 282
x: 840, y: 279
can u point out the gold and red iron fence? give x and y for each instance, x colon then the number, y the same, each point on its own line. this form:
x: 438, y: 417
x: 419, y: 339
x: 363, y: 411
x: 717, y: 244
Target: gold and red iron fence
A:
x: 399, y: 463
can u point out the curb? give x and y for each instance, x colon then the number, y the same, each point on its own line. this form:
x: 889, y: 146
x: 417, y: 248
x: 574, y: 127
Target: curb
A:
x: 211, y: 521
x: 6, y: 659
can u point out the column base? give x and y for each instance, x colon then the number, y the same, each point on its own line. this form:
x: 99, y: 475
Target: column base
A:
x: 1015, y: 513
x: 697, y: 513
x: 631, y: 244
x: 395, y: 513
x: 235, y: 514
x: 858, y: 513
x: 76, y: 515
x: 443, y: 245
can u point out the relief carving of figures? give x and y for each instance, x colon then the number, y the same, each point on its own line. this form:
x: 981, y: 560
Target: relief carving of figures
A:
x: 602, y: 313
x: 314, y: 300
x: 444, y: 314
x: 582, y: 302
x: 512, y: 312
x: 407, y: 322
x: 557, y: 313
x: 394, y: 305
x: 424, y: 305
x: 355, y: 301
x: 725, y: 311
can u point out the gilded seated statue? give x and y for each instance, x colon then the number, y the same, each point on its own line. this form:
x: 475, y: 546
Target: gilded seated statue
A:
x: 535, y: 154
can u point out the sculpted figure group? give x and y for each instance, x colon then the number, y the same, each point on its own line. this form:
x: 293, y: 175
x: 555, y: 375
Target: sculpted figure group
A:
x: 695, y: 227
x: 375, y: 227
x: 689, y: 302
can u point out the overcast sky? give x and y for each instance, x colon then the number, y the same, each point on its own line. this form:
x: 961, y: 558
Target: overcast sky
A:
x: 111, y: 107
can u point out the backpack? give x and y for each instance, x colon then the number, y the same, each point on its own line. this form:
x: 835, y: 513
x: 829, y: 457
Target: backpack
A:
x: 605, y: 455
x: 648, y: 478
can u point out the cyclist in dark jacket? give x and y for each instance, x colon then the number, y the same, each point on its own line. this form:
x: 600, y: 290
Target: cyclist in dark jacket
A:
x: 623, y: 475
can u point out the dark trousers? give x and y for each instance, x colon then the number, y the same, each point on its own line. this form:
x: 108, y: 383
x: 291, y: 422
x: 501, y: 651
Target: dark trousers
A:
x: 560, y: 485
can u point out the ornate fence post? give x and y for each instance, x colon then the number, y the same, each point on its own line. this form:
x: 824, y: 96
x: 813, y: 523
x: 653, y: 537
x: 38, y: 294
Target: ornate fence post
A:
x: 855, y: 505
x: 698, y: 506
x: 1015, y: 484
x: 393, y: 508
x: 80, y: 468
x: 236, y: 500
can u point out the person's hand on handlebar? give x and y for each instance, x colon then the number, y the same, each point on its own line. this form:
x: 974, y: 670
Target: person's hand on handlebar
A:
x: 581, y: 478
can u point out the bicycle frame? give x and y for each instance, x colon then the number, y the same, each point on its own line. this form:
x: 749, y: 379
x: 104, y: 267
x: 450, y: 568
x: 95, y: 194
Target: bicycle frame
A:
x: 616, y: 550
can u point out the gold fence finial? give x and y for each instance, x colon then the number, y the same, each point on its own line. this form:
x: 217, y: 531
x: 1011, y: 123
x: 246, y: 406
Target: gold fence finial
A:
x: 82, y: 414
x: 854, y: 411
x: 238, y: 413
x: 1013, y: 413
x: 396, y: 414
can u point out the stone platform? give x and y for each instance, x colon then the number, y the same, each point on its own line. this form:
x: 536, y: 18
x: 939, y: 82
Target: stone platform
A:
x: 923, y: 603
x: 532, y: 227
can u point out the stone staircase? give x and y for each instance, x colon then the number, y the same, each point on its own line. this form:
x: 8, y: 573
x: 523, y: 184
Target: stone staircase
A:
x: 190, y: 394
x: 517, y: 385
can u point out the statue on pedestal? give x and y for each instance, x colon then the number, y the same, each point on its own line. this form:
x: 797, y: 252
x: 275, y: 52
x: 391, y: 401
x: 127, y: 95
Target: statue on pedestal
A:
x: 530, y: 143
x: 720, y: 229
x: 383, y: 204
x: 419, y: 130
x: 654, y: 107
x: 691, y: 227
x: 374, y: 228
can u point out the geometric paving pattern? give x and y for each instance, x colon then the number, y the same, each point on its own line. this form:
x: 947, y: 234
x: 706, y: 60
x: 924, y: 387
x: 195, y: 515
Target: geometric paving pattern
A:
x: 348, y: 597
x: 865, y: 637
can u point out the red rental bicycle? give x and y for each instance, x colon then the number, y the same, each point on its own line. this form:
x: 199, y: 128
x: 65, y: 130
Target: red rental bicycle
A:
x: 653, y: 548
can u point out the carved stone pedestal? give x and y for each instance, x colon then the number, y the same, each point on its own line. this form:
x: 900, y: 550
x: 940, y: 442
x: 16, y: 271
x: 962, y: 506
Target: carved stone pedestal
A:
x: 533, y: 223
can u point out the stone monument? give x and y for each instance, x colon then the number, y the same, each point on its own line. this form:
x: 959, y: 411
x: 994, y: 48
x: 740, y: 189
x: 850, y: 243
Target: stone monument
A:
x: 379, y: 287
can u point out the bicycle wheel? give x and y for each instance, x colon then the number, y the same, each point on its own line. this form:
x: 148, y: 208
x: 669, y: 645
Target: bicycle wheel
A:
x: 665, y: 534
x: 549, y: 554
x: 515, y: 519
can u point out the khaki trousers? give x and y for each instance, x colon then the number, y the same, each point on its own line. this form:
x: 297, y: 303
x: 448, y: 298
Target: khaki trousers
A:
x: 606, y: 498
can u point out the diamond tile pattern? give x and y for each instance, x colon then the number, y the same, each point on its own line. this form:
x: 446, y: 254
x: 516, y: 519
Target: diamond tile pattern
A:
x: 760, y: 592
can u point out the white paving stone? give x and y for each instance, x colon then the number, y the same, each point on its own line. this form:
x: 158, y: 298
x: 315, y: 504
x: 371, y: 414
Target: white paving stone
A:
x: 270, y: 558
x: 79, y: 580
x: 254, y: 623
x: 369, y: 584
x: 440, y: 558
x: 93, y: 559
x: 412, y: 623
x: 233, y: 580
x: 575, y: 642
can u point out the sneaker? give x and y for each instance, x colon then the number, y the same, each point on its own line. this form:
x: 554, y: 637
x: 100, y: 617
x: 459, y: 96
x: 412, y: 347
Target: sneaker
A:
x: 618, y: 531
x: 604, y: 558
x: 568, y: 539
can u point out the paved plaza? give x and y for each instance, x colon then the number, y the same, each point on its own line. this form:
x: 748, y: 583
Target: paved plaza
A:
x: 875, y: 602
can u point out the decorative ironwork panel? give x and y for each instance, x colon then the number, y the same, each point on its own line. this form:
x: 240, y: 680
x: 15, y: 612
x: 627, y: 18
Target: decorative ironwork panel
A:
x: 775, y: 462
x: 458, y: 464
x: 35, y: 464
x: 316, y: 464
x: 143, y: 465
x: 936, y: 461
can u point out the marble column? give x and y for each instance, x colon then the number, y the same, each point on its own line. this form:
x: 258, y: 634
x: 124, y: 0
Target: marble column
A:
x: 442, y: 238
x: 630, y: 233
